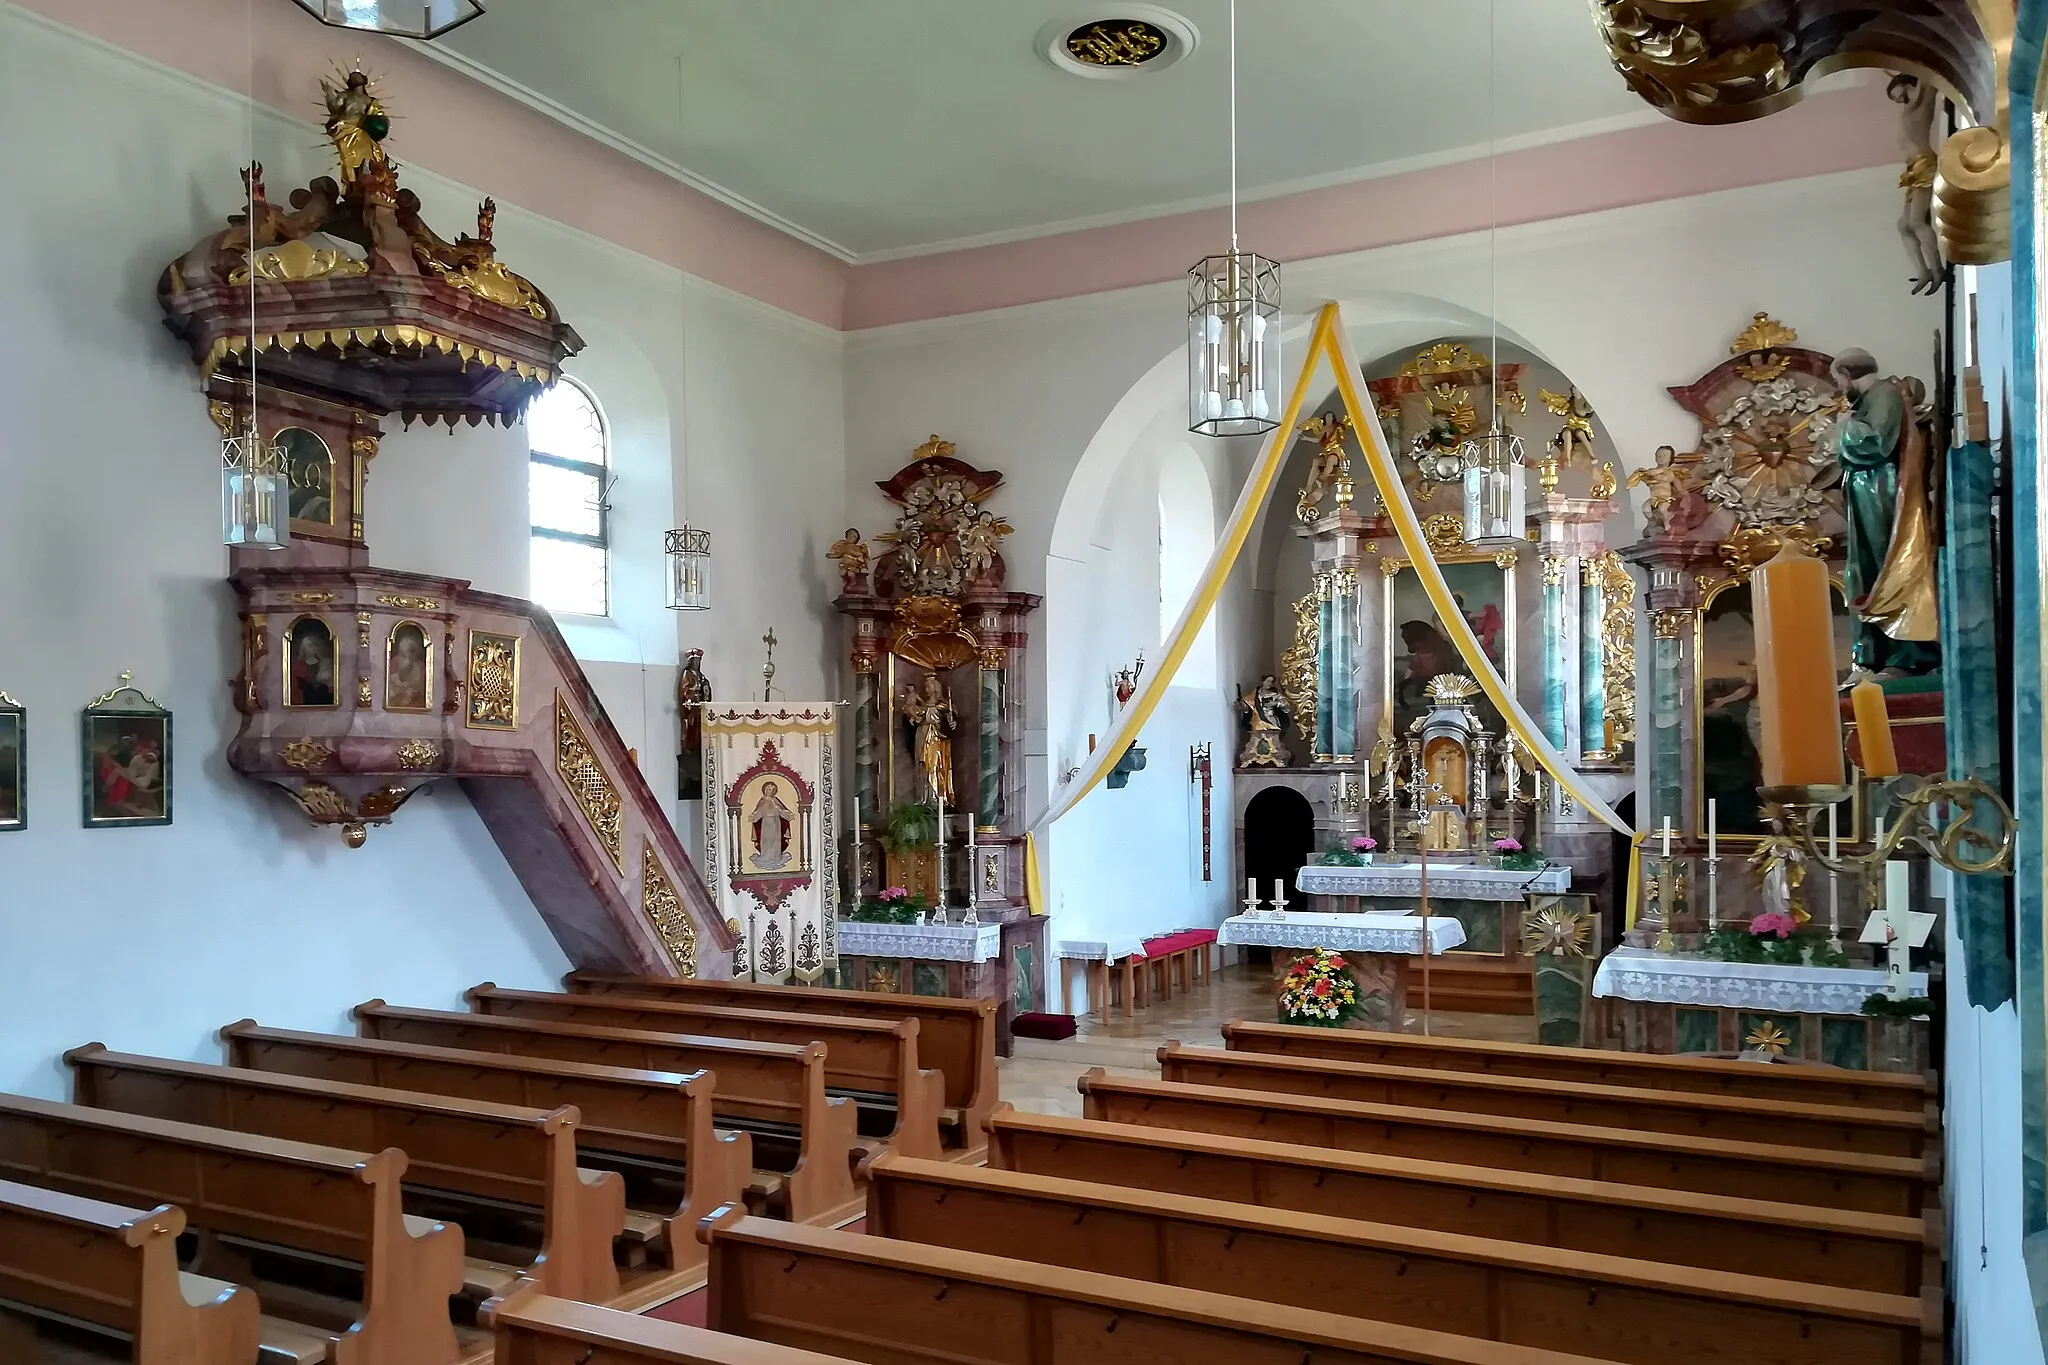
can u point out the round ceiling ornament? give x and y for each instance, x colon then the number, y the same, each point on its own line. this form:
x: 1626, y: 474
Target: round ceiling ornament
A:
x: 1118, y: 41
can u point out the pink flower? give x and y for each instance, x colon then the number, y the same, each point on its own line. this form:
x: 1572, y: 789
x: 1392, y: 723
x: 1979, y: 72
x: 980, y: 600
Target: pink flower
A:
x: 894, y: 893
x: 1364, y: 844
x: 1773, y: 922
x: 1507, y: 845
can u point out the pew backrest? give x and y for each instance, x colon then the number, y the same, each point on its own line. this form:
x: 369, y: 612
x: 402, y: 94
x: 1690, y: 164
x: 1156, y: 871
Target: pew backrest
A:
x: 472, y: 1147
x: 1884, y: 1132
x: 117, y: 1268
x: 543, y: 1330
x: 1698, y: 1075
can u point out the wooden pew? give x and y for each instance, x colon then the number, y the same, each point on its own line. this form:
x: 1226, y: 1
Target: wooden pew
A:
x: 116, y: 1269
x: 325, y: 1202
x: 1875, y: 1252
x: 1695, y: 1075
x: 1672, y: 1161
x: 653, y: 1116
x: 525, y: 1158
x: 1638, y: 1312
x: 547, y: 1331
x: 898, y: 1303
x: 873, y: 1062
x: 956, y: 1038
x: 1736, y: 1118
x: 776, y: 1090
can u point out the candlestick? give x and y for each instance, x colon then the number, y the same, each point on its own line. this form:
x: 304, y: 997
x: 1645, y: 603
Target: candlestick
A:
x: 1795, y: 672
x: 942, y: 850
x: 1874, y: 730
x: 1667, y: 896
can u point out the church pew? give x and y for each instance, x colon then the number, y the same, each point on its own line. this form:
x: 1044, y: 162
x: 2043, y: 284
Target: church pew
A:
x: 1876, y: 1252
x: 1638, y: 1312
x: 776, y: 1090
x: 1737, y: 1118
x: 957, y: 1038
x: 317, y: 1201
x: 1672, y: 1161
x: 889, y: 1302
x: 521, y: 1157
x: 1695, y: 1075
x: 539, y: 1330
x: 873, y: 1062
x: 116, y: 1269
x: 652, y: 1116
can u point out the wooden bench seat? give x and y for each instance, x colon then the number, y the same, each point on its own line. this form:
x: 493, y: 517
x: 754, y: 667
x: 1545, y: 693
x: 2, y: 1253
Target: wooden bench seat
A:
x: 1638, y: 1312
x: 1737, y: 1118
x: 1672, y: 1161
x: 653, y: 1116
x: 322, y: 1202
x: 1695, y: 1075
x: 874, y: 1062
x: 116, y: 1269
x: 956, y: 1038
x: 525, y: 1158
x: 539, y: 1330
x: 774, y: 1090
x: 1877, y: 1252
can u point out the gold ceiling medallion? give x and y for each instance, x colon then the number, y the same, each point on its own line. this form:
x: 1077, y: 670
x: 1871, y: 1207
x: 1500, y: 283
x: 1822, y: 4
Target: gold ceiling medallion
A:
x: 588, y: 782
x: 1117, y: 42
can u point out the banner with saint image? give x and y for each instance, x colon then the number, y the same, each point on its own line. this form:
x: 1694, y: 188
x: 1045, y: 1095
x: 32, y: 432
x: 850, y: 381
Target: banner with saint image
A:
x: 770, y: 844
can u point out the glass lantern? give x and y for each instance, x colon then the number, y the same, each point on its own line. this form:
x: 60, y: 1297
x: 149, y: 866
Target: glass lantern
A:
x: 1234, y: 345
x: 255, y: 497
x: 689, y: 570
x: 421, y: 19
x: 1496, y: 469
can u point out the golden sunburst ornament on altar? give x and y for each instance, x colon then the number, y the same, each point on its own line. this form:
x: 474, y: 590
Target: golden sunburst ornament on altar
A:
x: 1557, y: 930
x: 1767, y: 1037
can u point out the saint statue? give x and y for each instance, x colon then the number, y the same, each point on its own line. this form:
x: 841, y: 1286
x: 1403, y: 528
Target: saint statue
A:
x: 851, y: 552
x: 1266, y: 713
x: 930, y: 714
x: 693, y: 689
x: 1919, y: 108
x: 769, y: 824
x: 1889, y: 573
x: 357, y: 123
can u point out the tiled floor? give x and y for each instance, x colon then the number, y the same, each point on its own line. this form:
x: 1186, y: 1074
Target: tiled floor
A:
x: 1041, y: 1076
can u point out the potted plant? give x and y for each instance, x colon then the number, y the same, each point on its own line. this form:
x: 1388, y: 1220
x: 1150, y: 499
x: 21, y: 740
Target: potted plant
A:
x: 1358, y: 853
x: 1777, y: 938
x: 1319, y: 991
x: 909, y: 827
x: 1508, y: 853
x: 891, y: 905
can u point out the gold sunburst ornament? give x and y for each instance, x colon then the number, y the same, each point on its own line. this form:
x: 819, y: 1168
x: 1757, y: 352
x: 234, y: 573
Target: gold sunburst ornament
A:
x: 1767, y: 1037
x: 1557, y: 930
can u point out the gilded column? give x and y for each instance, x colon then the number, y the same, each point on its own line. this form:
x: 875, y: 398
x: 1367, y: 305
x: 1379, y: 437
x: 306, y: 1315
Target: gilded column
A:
x: 1593, y: 661
x: 1555, y: 659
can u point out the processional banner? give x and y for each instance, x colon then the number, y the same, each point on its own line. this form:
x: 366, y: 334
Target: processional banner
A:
x: 771, y: 854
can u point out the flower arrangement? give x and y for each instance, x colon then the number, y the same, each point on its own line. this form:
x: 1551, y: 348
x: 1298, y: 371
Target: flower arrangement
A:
x: 1357, y: 854
x: 1319, y: 991
x: 1509, y: 853
x: 891, y: 905
x: 1774, y: 937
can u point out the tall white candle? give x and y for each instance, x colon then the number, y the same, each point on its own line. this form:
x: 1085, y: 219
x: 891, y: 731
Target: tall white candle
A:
x: 1667, y: 836
x: 1251, y: 889
x: 1834, y: 883
x: 1279, y: 893
x: 1713, y: 830
x: 1895, y: 873
x: 942, y: 849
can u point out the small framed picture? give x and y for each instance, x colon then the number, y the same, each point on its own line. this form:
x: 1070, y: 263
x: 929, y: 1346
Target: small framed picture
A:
x: 13, y: 765
x: 126, y: 742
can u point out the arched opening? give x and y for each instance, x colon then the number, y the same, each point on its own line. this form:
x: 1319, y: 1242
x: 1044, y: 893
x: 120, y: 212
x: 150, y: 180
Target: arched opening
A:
x: 1279, y: 834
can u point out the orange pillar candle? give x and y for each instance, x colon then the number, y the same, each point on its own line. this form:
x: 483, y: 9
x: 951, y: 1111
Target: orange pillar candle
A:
x: 1795, y: 672
x: 1874, y: 730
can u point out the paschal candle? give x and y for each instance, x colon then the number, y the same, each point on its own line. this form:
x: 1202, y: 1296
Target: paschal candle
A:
x: 1795, y: 672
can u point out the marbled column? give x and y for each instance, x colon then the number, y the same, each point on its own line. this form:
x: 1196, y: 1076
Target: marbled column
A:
x: 1592, y: 664
x: 1667, y: 796
x: 1344, y: 666
x: 989, y: 790
x: 1555, y: 659
x: 865, y: 697
x: 1326, y: 668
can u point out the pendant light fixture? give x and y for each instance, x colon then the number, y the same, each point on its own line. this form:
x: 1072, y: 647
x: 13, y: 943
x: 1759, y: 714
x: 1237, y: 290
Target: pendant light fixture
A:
x: 424, y: 20
x: 687, y: 584
x: 254, y: 488
x: 1496, y: 465
x: 1234, y: 323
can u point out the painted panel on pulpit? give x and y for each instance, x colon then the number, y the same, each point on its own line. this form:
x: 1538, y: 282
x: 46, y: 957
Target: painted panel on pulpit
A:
x: 1729, y: 723
x: 311, y: 468
x: 1417, y: 648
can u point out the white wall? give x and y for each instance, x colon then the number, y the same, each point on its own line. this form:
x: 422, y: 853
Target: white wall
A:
x: 109, y: 544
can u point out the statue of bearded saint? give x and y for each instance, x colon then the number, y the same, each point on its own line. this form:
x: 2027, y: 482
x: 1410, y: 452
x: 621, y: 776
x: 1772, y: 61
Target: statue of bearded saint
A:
x: 1889, y: 573
x: 930, y: 714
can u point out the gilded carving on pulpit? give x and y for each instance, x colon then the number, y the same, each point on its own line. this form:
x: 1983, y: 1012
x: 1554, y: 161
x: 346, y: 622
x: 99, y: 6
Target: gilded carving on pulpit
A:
x: 13, y: 765
x: 493, y: 681
x: 664, y: 910
x: 408, y: 669
x: 357, y: 124
x: 589, y: 784
x: 309, y: 681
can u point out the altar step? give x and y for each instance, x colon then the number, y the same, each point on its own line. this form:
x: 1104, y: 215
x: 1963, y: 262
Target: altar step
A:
x: 1474, y: 985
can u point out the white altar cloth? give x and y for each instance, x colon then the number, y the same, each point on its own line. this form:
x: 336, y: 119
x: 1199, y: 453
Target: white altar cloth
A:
x: 1452, y: 880
x: 924, y: 942
x: 1370, y: 933
x: 1663, y: 978
x: 1101, y: 949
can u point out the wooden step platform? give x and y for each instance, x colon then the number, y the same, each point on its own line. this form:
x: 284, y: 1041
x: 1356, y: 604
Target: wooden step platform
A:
x: 1472, y: 984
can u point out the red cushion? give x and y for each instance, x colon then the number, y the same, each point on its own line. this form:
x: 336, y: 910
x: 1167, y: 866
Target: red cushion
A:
x: 1174, y: 943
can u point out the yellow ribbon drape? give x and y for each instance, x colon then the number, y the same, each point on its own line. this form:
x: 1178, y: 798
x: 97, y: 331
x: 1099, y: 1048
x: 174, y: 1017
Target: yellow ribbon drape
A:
x: 1326, y: 342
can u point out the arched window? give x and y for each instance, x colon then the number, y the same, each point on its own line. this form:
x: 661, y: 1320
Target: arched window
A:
x: 567, y: 478
x: 1187, y: 537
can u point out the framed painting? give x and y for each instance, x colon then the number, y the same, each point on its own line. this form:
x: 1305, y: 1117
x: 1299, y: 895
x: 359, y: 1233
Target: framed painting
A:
x: 13, y: 765
x: 309, y: 665
x: 1416, y: 647
x: 408, y: 668
x: 310, y: 467
x: 1726, y: 722
x: 125, y: 739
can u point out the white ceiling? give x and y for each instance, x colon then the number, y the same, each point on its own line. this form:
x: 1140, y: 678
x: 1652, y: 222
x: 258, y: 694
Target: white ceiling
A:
x: 886, y: 127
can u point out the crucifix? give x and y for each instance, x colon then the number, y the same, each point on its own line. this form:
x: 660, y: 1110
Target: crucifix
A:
x: 1898, y: 928
x: 1198, y: 771
x: 768, y: 669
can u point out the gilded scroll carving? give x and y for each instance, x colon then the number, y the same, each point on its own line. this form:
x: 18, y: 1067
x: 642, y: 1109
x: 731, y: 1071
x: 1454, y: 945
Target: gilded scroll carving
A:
x: 588, y: 782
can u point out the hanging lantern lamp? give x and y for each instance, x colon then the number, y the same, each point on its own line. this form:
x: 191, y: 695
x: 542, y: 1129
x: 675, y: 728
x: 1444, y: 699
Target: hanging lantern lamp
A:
x: 1496, y: 472
x: 255, y: 501
x: 424, y: 20
x: 689, y: 570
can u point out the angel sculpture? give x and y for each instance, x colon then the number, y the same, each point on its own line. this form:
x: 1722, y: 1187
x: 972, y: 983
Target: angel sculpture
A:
x: 978, y: 540
x: 1575, y: 437
x: 852, y: 555
x: 1330, y: 466
x: 1675, y: 504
